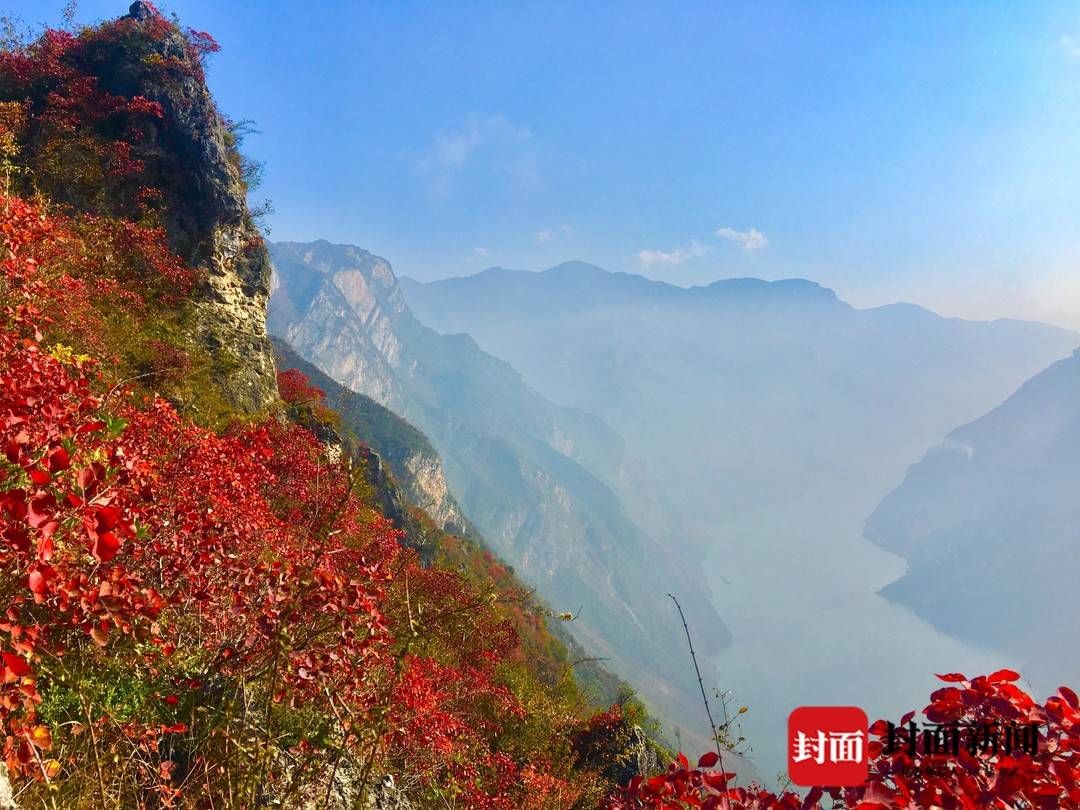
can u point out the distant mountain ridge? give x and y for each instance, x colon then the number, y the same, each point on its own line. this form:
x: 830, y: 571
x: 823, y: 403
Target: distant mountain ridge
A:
x: 582, y: 277
x: 535, y: 478
x: 786, y: 382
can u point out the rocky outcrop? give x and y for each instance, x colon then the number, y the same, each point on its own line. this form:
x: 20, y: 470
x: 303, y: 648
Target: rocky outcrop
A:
x: 428, y: 489
x: 344, y: 794
x: 618, y: 750
x: 190, y: 154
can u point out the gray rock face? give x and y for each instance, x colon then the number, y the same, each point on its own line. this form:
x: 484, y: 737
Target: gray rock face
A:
x: 640, y: 757
x: 384, y: 795
x: 387, y: 796
x: 430, y: 491
x: 140, y: 11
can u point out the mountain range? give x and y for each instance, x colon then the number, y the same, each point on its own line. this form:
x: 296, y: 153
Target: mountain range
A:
x: 763, y: 423
x: 792, y: 405
x: 535, y: 478
x: 617, y: 438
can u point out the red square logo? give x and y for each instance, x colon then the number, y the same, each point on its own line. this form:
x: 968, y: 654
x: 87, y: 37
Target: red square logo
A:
x: 827, y: 746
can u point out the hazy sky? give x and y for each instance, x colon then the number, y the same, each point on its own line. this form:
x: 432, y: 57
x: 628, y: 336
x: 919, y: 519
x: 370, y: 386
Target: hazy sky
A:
x: 920, y: 151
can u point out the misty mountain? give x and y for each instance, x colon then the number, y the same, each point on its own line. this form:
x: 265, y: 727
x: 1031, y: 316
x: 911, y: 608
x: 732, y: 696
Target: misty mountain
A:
x: 535, y: 478
x: 989, y: 522
x: 756, y: 404
x: 763, y: 423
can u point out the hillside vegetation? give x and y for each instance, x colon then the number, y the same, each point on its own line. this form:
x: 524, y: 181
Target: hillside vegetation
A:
x: 203, y: 607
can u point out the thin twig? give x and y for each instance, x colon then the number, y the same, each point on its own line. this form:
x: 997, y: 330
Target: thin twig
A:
x: 701, y: 684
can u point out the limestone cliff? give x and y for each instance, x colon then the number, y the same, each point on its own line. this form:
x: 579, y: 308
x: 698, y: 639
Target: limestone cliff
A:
x: 208, y: 218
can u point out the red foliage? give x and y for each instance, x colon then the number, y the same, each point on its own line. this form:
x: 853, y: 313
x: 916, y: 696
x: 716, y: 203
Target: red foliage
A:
x: 201, y: 44
x: 84, y: 140
x: 296, y: 389
x: 130, y: 530
x: 64, y: 97
x: 1047, y: 779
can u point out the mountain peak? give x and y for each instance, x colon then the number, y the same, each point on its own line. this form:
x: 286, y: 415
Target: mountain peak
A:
x: 788, y: 288
x: 577, y: 267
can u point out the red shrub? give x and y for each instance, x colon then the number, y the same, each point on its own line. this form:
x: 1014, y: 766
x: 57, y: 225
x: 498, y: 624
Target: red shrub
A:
x: 1047, y: 779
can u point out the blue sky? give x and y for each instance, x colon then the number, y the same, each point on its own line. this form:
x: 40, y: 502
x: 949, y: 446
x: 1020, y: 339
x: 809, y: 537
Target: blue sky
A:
x: 927, y: 152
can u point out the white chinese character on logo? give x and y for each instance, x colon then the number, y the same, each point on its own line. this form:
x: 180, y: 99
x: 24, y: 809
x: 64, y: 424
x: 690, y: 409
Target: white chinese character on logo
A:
x: 836, y: 746
x: 845, y: 746
x: 809, y: 748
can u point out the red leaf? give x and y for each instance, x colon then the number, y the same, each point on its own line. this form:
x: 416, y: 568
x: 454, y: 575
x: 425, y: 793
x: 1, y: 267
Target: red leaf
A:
x: 19, y: 539
x: 16, y: 664
x: 40, y: 510
x: 106, y: 546
x: 708, y: 760
x: 108, y: 516
x: 85, y: 477
x: 952, y: 677
x: 38, y: 584
x: 59, y: 460
x: 1003, y: 675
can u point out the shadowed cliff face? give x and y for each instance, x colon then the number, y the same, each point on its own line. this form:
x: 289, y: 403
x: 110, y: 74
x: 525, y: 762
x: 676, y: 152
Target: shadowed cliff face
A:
x: 209, y: 222
x: 535, y: 479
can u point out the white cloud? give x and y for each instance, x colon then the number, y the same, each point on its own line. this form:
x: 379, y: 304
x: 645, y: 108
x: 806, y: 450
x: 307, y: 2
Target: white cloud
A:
x: 454, y: 151
x: 482, y: 252
x: 751, y: 239
x: 650, y: 257
x: 1071, y: 46
x: 547, y: 234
